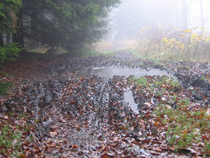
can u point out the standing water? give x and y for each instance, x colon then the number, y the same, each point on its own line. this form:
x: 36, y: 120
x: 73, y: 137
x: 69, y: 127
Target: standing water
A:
x: 130, y: 100
x: 110, y: 71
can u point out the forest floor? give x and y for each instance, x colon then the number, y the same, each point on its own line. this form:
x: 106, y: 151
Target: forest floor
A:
x: 57, y: 110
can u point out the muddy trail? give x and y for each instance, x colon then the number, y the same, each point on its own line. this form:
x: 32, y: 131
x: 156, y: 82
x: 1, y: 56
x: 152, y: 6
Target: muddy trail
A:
x: 91, y: 107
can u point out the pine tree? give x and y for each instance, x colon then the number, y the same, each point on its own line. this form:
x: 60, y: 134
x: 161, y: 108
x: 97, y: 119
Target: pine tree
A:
x: 68, y: 24
x: 8, y: 19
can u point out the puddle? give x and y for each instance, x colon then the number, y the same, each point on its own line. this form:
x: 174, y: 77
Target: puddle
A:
x: 109, y: 72
x: 130, y: 99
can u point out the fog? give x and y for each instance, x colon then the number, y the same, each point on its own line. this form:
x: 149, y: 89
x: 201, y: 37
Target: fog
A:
x: 134, y: 15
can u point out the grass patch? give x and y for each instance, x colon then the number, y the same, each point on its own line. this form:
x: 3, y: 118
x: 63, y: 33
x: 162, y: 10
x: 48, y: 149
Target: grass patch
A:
x: 4, y: 87
x: 89, y: 51
x: 108, y: 53
x: 184, y: 127
x: 10, y: 139
x: 160, y: 82
x: 184, y: 123
x: 14, y: 132
x: 141, y: 81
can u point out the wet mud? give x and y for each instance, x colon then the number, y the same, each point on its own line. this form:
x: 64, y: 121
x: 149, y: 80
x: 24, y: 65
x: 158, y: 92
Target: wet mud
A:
x: 87, y: 108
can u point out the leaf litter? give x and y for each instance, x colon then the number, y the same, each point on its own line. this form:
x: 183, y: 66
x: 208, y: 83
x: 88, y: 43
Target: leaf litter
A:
x: 69, y: 114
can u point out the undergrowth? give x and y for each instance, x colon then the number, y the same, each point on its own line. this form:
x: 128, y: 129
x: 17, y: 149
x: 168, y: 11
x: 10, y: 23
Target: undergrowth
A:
x: 184, y: 127
x: 185, y: 124
x: 171, y: 43
x: 14, y: 132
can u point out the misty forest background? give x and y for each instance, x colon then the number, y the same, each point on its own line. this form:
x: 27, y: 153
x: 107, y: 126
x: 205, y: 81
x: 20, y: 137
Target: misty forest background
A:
x: 164, y: 29
x: 167, y: 29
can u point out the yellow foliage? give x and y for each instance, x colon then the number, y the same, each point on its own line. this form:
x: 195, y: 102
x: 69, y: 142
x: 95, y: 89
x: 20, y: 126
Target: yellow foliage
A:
x: 195, y: 37
x: 188, y: 30
x: 182, y: 35
x: 207, y: 39
x: 173, y: 43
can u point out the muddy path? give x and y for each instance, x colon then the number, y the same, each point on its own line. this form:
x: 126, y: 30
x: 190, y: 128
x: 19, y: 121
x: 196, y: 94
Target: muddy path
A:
x: 81, y: 109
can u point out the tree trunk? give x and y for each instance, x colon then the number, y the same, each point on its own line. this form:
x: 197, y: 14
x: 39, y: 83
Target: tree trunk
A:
x: 207, y: 12
x: 1, y: 40
x: 202, y: 18
x: 176, y: 12
x: 185, y: 14
x: 18, y: 36
x: 9, y: 38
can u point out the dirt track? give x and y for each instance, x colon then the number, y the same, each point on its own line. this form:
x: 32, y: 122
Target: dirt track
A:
x: 85, y: 115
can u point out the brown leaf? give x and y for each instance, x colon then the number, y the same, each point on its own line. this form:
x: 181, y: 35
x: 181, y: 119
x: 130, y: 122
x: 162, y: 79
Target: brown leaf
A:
x: 156, y: 123
x: 53, y: 134
x: 208, y: 117
x: 201, y: 144
x: 22, y: 155
x: 73, y: 101
x: 154, y: 152
x: 105, y: 156
x: 74, y: 146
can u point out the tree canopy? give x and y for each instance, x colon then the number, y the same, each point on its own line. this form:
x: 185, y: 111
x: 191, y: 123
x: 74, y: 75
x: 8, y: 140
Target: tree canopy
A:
x: 8, y: 11
x: 69, y: 24
x: 8, y: 18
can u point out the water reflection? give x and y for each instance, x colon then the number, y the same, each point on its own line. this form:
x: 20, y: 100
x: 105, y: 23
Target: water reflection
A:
x: 109, y: 72
x: 130, y: 100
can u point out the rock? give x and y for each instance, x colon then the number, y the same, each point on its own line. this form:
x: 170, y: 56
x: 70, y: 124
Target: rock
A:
x: 200, y: 83
x: 197, y: 95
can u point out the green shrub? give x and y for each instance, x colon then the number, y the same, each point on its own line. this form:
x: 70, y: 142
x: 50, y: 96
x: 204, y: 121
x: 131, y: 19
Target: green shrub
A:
x: 4, y: 87
x: 7, y: 53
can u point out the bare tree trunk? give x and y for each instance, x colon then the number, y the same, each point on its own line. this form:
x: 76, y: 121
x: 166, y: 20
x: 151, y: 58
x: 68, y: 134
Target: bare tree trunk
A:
x: 177, y: 17
x: 207, y: 11
x: 202, y: 17
x: 185, y: 14
x: 8, y: 38
x: 1, y: 40
x: 18, y: 36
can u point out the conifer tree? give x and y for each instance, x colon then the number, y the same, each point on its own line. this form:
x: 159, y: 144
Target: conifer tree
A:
x: 8, y: 11
x: 68, y: 24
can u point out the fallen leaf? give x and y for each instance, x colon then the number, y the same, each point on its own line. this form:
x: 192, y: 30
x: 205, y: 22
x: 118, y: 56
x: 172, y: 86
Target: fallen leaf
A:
x: 208, y: 117
x: 14, y: 142
x: 168, y: 107
x: 22, y: 155
x: 53, y: 134
x: 208, y: 112
x: 156, y: 123
x: 201, y: 144
x: 105, y: 155
x: 74, y: 146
